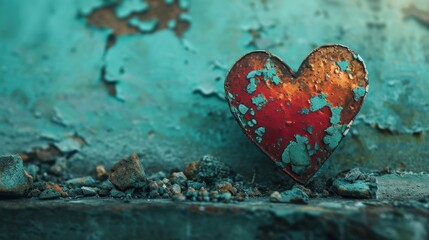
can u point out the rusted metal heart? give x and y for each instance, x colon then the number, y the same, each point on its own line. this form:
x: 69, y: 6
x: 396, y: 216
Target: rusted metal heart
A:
x: 297, y: 119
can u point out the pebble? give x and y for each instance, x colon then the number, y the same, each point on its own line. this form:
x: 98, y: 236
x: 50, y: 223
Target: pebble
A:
x: 14, y: 180
x: 49, y: 194
x: 101, y: 172
x: 88, y: 191
x: 295, y: 195
x: 176, y: 188
x: 127, y: 173
x: 83, y: 181
x: 117, y: 194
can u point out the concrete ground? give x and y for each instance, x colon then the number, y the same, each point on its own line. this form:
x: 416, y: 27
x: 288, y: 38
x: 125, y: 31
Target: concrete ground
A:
x: 254, y: 219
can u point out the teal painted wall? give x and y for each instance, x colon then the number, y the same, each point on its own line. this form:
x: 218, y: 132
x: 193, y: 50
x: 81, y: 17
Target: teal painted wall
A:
x: 169, y: 106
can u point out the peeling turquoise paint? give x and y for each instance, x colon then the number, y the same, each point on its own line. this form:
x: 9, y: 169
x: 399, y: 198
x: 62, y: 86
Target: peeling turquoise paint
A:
x: 344, y: 66
x: 185, y: 17
x: 184, y: 4
x: 252, y: 122
x: 243, y: 109
x: 144, y: 26
x: 359, y: 92
x: 358, y: 57
x: 126, y: 7
x: 251, y: 87
x: 336, y: 114
x: 172, y: 23
x: 309, y: 129
x: 259, y: 101
x: 318, y: 102
x: 297, y: 154
x: 334, y: 135
x: 252, y: 112
x: 305, y: 111
x: 260, y: 131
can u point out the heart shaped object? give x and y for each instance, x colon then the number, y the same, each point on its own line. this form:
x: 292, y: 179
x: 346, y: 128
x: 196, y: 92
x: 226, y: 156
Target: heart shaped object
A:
x: 297, y: 119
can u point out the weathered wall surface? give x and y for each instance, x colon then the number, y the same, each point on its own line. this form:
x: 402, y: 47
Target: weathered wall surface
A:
x: 90, y: 78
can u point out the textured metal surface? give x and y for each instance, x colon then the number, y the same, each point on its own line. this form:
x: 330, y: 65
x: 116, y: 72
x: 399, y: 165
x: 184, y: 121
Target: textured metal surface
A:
x: 297, y: 119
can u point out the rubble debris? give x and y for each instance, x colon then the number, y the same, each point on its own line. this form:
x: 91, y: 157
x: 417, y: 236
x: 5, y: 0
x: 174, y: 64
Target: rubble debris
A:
x: 101, y: 172
x: 83, y: 181
x: 88, y: 191
x: 49, y: 194
x: 14, y: 180
x: 127, y: 173
x: 295, y: 195
x: 207, y: 169
x: 117, y: 194
x: 355, y: 184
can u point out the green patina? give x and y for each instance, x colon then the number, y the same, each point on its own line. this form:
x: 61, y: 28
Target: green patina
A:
x: 336, y: 115
x: 334, y: 136
x: 318, y: 102
x: 359, y: 92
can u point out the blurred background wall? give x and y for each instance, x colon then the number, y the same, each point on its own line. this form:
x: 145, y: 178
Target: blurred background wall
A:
x: 95, y: 80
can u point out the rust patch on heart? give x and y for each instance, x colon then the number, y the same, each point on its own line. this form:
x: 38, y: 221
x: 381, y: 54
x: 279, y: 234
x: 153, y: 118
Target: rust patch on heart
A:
x: 297, y: 119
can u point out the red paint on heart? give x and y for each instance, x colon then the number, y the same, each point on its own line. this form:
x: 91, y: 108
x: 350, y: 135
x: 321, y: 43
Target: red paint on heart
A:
x: 287, y: 104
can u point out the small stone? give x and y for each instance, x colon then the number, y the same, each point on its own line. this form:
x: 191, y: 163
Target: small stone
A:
x: 179, y: 197
x: 211, y: 169
x: 127, y: 173
x: 191, y: 194
x: 354, y: 174
x: 101, y: 172
x: 226, y: 196
x: 75, y: 193
x: 34, y: 193
x: 83, y: 181
x: 203, y: 195
x: 117, y: 194
x: 49, y: 194
x: 214, y: 196
x: 14, y: 180
x: 295, y: 195
x: 106, y: 185
x: 223, y: 187
x: 304, y: 189
x: 196, y: 185
x: 88, y: 191
x: 157, y: 176
x: 178, y: 175
x: 275, y: 197
x: 191, y: 169
x: 104, y: 192
x: 176, y: 188
x: 358, y: 189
